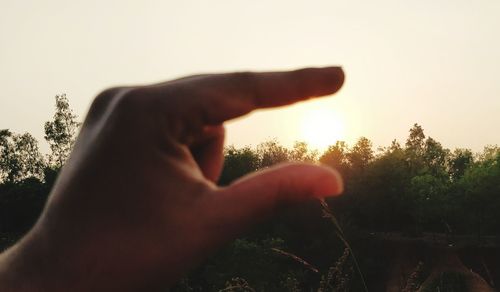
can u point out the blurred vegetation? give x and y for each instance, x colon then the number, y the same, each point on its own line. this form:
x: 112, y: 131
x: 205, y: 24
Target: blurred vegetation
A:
x: 411, y: 189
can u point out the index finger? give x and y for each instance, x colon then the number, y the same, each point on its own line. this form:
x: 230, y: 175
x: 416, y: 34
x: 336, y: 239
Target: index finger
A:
x: 221, y: 97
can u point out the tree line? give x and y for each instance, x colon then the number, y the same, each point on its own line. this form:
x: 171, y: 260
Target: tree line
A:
x: 411, y: 188
x: 26, y: 175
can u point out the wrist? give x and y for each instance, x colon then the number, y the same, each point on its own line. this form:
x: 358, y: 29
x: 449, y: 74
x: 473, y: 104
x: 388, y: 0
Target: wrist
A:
x: 37, y: 263
x: 20, y: 267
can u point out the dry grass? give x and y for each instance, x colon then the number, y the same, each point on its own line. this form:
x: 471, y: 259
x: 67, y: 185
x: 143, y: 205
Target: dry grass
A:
x: 327, y: 213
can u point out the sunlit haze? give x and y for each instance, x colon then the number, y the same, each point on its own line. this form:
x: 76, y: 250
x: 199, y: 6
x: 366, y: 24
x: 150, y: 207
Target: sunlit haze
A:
x: 321, y: 127
x: 429, y: 62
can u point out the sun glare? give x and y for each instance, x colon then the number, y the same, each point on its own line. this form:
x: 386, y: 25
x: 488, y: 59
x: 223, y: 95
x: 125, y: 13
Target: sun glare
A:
x: 321, y: 128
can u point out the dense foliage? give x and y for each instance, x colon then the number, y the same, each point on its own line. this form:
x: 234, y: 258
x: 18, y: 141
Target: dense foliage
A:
x: 419, y: 187
x: 412, y: 189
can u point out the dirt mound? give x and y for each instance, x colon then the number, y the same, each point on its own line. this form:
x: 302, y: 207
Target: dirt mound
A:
x: 432, y: 263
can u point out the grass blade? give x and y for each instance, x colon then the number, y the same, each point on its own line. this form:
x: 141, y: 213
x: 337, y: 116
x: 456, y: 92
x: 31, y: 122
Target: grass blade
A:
x: 327, y: 213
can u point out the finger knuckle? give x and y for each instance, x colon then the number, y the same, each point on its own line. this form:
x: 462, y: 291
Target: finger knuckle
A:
x: 103, y: 99
x: 130, y: 100
x: 244, y: 78
x: 248, y: 82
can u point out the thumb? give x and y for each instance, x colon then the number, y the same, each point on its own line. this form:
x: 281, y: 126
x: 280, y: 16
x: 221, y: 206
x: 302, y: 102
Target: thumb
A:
x: 255, y: 196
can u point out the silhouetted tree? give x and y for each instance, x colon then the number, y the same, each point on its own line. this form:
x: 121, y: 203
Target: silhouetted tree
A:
x: 237, y: 163
x: 20, y: 157
x: 459, y: 161
x: 60, y: 133
x: 416, y: 140
x: 435, y: 157
x: 271, y: 153
x: 361, y: 154
x: 415, y: 148
x: 300, y: 152
x: 336, y: 157
x: 481, y: 188
x: 383, y: 202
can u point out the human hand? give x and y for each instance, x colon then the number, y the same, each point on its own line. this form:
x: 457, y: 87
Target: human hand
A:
x: 137, y: 205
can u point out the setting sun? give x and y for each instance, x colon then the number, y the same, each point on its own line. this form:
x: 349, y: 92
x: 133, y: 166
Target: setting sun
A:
x: 321, y: 128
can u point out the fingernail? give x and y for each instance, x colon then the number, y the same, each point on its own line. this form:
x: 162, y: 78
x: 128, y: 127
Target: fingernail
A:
x: 334, y: 185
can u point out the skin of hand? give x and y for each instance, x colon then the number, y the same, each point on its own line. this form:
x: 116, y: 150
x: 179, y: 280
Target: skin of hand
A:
x: 136, y: 205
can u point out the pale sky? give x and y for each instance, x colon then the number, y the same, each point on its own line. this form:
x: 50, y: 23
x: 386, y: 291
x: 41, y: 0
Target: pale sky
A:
x: 433, y: 62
